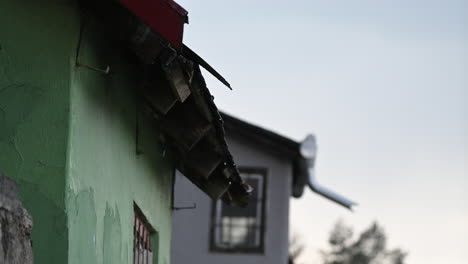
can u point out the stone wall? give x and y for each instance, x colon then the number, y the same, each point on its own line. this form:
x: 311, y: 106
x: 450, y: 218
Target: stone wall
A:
x: 15, y: 226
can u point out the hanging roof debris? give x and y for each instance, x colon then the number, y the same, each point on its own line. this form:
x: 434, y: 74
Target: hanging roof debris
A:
x: 176, y: 93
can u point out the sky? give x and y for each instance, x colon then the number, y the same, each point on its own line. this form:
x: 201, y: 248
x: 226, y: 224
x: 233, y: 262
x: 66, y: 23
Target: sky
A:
x: 383, y: 85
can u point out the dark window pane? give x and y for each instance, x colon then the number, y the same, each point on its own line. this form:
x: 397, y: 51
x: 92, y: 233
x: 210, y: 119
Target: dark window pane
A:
x: 241, y: 228
x: 235, y: 211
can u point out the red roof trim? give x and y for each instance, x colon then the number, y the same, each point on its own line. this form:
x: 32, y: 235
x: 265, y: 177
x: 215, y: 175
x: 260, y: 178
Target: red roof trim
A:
x: 165, y: 17
x: 179, y: 9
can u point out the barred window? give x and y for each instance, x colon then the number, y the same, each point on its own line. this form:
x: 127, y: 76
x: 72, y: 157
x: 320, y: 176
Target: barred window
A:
x: 241, y: 229
x: 142, y: 234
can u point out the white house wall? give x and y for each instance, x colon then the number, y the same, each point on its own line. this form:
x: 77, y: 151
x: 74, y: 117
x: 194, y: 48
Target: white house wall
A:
x: 191, y: 227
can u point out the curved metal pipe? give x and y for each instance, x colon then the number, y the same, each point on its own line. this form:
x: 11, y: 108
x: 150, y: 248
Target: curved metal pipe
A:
x: 308, y: 151
x: 327, y: 193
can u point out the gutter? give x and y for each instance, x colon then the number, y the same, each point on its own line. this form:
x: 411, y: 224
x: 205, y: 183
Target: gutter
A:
x: 308, y: 150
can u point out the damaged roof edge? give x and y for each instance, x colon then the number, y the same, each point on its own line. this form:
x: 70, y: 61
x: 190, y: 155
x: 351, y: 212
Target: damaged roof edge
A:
x: 175, y: 93
x: 239, y: 192
x: 190, y: 54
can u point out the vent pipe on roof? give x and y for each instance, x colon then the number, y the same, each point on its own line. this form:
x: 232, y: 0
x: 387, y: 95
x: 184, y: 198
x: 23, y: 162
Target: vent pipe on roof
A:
x: 308, y: 150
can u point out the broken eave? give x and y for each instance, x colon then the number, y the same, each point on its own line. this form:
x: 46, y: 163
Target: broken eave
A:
x: 175, y: 92
x: 193, y: 127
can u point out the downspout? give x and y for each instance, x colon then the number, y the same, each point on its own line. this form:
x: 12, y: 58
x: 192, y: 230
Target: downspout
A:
x: 308, y: 150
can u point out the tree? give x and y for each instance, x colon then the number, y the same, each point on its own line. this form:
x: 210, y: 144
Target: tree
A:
x: 296, y: 248
x: 369, y: 248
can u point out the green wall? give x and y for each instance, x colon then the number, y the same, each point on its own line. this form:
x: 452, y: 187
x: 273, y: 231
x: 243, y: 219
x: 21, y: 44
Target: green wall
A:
x: 106, y: 174
x: 68, y: 137
x: 36, y: 41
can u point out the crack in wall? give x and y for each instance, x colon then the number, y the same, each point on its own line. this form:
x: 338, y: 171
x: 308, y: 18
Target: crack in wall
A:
x: 4, y: 65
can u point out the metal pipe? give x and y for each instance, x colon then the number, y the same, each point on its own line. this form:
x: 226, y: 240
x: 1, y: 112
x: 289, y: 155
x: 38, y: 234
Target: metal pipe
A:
x: 327, y: 193
x: 308, y: 150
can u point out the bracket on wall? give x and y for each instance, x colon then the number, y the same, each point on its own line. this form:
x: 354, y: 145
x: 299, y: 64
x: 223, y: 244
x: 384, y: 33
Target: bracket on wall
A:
x: 103, y: 71
x: 78, y: 48
x: 194, y: 206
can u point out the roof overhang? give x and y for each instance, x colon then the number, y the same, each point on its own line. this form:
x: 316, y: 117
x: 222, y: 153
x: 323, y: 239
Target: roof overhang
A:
x: 175, y: 93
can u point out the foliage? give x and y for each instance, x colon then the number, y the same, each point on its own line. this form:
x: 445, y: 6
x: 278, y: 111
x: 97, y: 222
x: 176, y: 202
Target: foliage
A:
x: 369, y: 248
x: 296, y: 248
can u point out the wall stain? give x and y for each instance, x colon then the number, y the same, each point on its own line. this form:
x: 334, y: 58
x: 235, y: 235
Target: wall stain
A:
x: 4, y: 65
x: 15, y: 144
x: 2, y: 116
x: 82, y: 218
x: 112, y: 242
x: 54, y: 235
x: 20, y: 99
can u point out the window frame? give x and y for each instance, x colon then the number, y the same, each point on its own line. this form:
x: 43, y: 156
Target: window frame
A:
x: 140, y: 219
x: 260, y: 249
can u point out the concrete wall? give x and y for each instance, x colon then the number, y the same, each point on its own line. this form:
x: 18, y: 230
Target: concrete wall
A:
x: 68, y: 137
x: 191, y: 228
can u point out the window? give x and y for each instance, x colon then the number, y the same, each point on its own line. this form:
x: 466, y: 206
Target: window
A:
x: 241, y: 229
x: 142, y: 233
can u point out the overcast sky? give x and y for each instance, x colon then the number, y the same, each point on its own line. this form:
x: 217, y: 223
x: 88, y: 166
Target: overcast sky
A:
x: 384, y: 87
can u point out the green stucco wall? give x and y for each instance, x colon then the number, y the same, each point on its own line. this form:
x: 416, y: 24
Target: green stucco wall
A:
x: 68, y: 137
x: 37, y: 39
x: 106, y: 174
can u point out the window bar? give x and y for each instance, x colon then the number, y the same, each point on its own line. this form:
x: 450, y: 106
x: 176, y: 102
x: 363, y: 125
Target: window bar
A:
x: 145, y: 252
x: 230, y: 244
x: 148, y: 246
x: 135, y: 239
x: 139, y: 241
x: 142, y: 252
x: 143, y: 242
